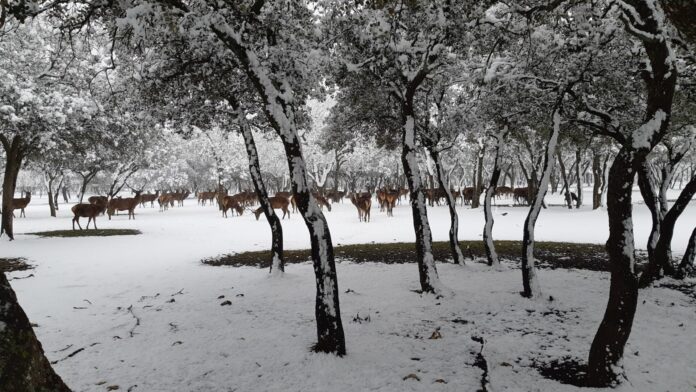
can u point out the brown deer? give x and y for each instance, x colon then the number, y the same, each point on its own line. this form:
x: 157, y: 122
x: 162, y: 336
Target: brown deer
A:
x: 127, y: 204
x: 101, y: 201
x: 21, y: 204
x: 503, y: 191
x: 165, y: 200
x: 363, y: 202
x: 149, y: 197
x: 390, y: 198
x: 290, y: 198
x: 521, y: 195
x: 277, y: 202
x: 322, y: 202
x: 85, y: 210
x: 205, y: 197
x: 179, y: 197
x: 231, y: 202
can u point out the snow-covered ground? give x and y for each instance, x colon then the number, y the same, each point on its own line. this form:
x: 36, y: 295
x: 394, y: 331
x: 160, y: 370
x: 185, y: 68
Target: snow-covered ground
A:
x: 186, y: 341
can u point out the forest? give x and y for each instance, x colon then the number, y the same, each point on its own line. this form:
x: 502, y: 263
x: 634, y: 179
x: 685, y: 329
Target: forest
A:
x: 504, y: 188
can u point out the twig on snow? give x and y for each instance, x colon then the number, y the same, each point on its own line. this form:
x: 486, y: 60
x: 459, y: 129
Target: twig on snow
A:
x: 482, y: 363
x: 137, y: 321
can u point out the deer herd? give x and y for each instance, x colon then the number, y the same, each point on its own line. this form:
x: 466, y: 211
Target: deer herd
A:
x: 386, y: 198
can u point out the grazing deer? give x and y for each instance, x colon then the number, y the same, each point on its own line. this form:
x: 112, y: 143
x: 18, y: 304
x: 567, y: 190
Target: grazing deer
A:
x: 149, y: 197
x: 233, y: 203
x: 363, y: 202
x: 521, y: 195
x: 277, y: 202
x: 127, y: 204
x: 322, y: 202
x: 21, y: 204
x: 85, y: 210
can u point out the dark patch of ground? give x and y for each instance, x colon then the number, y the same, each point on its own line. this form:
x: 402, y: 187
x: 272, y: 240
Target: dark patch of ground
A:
x: 566, y: 370
x: 549, y: 254
x: 686, y: 287
x: 86, y: 233
x: 14, y: 264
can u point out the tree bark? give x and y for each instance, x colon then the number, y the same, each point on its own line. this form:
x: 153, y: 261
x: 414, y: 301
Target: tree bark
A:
x: 597, y: 177
x: 429, y: 279
x: 478, y: 181
x: 661, y: 259
x: 564, y: 176
x: 455, y: 249
x: 281, y: 115
x: 530, y: 281
x: 277, y: 259
x: 14, y: 156
x: 686, y: 267
x: 578, y: 158
x: 51, y: 203
x: 606, y: 352
x: 489, y: 246
x: 23, y: 364
x: 608, y: 345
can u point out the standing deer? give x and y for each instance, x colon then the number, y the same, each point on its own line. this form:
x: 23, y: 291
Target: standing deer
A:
x: 149, y: 197
x: 363, y: 202
x: 21, y: 204
x: 101, y: 201
x: 85, y: 210
x: 127, y: 204
x: 277, y: 202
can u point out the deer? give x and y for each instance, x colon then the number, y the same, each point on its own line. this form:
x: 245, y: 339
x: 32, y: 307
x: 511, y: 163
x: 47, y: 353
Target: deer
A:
x: 21, y: 204
x: 390, y: 198
x: 363, y: 202
x: 205, y: 197
x: 521, y: 195
x: 290, y: 198
x: 277, y: 202
x: 100, y: 201
x: 149, y: 197
x: 233, y: 203
x: 322, y: 202
x: 179, y: 197
x: 85, y: 210
x: 503, y: 191
x: 127, y: 204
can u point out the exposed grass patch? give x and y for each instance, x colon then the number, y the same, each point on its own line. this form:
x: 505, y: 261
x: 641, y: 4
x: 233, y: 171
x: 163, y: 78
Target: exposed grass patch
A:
x: 86, y: 233
x: 14, y: 264
x: 549, y: 254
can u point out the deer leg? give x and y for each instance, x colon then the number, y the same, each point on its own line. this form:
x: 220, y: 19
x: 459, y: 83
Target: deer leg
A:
x: 94, y: 222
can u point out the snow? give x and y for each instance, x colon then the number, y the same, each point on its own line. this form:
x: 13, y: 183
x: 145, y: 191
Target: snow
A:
x: 644, y: 133
x: 83, y: 287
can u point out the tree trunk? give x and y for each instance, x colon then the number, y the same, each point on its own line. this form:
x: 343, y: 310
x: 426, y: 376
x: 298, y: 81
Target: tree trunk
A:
x: 597, y: 177
x: 23, y: 365
x: 686, y: 267
x: 13, y: 153
x: 277, y: 259
x: 429, y: 280
x: 661, y: 258
x: 647, y: 190
x: 608, y: 345
x: 564, y: 176
x: 488, y: 244
x: 530, y: 281
x: 281, y: 115
x: 455, y: 249
x: 478, y: 184
x: 51, y: 204
x: 578, y: 158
